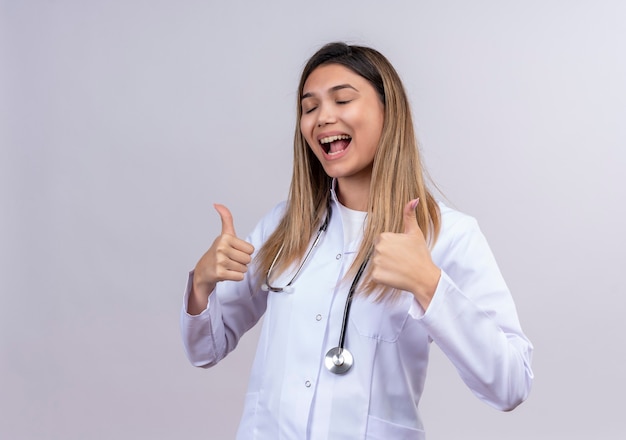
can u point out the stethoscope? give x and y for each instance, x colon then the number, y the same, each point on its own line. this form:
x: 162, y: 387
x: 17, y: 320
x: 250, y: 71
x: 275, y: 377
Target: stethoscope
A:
x: 338, y: 359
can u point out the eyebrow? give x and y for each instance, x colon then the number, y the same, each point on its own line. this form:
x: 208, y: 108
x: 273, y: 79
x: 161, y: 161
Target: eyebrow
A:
x: 332, y: 89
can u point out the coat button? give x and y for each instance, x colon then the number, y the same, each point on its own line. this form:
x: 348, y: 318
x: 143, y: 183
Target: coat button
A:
x: 318, y: 318
x: 338, y: 256
x: 307, y: 384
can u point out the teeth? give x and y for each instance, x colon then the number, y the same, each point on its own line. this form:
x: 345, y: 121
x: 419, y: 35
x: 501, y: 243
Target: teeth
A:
x: 329, y: 139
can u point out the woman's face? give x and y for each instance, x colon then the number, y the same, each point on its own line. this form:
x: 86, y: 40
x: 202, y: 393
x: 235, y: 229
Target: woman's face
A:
x: 342, y: 120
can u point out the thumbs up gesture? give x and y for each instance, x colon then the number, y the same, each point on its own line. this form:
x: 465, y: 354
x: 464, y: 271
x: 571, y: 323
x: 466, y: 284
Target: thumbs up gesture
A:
x: 227, y: 259
x: 402, y: 261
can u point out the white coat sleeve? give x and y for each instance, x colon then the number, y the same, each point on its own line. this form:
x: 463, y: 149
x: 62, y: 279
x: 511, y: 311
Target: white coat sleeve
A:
x: 211, y: 335
x: 473, y: 319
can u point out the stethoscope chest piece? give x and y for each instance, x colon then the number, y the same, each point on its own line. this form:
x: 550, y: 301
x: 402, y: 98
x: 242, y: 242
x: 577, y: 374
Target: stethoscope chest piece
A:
x: 338, y: 360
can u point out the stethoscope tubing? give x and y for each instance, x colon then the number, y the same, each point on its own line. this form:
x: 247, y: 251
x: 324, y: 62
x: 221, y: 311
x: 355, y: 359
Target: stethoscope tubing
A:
x: 348, y: 306
x: 287, y: 288
x: 338, y: 359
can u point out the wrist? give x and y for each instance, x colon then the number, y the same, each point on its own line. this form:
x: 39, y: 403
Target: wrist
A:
x: 199, y: 297
x: 428, y: 287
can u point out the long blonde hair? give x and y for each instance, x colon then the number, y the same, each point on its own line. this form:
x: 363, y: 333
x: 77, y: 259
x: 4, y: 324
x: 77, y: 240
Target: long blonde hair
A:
x: 397, y: 174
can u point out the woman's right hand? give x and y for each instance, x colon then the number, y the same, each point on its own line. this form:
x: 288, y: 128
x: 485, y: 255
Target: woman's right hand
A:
x: 227, y: 259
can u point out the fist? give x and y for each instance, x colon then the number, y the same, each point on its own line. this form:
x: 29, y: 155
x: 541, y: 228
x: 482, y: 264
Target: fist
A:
x: 227, y: 259
x: 402, y: 261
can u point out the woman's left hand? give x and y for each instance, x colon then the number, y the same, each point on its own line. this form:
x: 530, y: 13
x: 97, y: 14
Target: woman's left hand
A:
x: 403, y: 261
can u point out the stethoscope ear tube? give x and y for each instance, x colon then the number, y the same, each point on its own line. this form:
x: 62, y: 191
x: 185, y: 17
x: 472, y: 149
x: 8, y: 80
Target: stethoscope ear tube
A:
x: 267, y: 287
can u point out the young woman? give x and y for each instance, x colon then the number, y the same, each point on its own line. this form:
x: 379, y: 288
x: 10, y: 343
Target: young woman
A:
x: 356, y: 274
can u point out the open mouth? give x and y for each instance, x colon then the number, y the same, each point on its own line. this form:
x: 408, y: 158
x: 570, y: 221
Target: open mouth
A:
x: 335, y: 144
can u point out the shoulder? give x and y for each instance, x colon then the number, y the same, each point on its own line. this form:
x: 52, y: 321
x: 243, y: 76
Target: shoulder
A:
x: 457, y: 230
x: 269, y: 222
x: 454, y: 222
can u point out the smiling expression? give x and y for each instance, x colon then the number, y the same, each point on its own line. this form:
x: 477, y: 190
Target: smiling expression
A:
x: 342, y: 121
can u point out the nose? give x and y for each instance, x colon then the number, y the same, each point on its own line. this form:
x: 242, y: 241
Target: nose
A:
x: 326, y: 115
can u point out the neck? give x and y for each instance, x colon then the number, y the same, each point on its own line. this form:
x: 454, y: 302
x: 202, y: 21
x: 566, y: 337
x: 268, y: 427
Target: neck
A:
x: 354, y: 193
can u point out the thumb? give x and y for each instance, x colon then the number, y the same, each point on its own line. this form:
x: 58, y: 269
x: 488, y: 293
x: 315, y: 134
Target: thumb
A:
x: 228, y: 227
x: 410, y: 219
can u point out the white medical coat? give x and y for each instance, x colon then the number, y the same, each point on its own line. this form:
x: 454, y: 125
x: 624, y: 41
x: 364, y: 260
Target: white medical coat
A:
x: 291, y: 395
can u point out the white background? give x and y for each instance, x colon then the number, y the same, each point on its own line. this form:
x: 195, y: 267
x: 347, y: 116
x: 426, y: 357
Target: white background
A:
x: 123, y: 121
